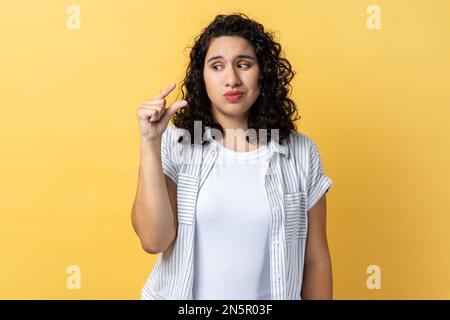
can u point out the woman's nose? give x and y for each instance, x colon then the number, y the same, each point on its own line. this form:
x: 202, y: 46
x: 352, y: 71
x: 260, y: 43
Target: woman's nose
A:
x: 232, y: 78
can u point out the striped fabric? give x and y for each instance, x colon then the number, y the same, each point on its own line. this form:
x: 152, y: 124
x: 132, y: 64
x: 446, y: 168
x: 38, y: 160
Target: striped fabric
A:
x: 295, y: 182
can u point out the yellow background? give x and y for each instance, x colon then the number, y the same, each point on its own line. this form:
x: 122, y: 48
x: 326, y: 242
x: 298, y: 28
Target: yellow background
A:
x: 375, y: 101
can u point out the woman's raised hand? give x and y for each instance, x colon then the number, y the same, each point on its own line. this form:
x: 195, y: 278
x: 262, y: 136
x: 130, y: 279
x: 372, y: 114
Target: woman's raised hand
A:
x: 153, y: 116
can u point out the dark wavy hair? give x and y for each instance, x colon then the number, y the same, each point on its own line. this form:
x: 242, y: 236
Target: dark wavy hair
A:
x: 271, y: 110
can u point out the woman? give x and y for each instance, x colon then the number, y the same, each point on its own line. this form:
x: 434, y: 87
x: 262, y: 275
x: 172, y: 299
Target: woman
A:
x: 231, y: 195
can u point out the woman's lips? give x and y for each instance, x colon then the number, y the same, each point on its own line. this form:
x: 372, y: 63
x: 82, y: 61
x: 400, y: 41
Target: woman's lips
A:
x: 233, y: 97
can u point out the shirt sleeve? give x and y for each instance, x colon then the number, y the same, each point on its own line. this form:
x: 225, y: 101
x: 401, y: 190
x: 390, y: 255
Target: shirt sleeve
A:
x: 168, y: 141
x: 317, y: 182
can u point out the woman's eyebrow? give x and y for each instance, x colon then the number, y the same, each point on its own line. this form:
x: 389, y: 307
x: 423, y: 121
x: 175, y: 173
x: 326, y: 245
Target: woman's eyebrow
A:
x: 241, y: 56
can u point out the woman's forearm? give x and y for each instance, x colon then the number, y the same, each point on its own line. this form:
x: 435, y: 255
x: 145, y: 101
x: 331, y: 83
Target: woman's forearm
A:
x: 317, y: 281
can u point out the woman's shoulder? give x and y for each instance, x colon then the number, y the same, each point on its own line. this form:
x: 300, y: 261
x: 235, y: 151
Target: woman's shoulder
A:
x: 300, y: 140
x: 172, y: 133
x: 303, y: 147
x: 170, y: 141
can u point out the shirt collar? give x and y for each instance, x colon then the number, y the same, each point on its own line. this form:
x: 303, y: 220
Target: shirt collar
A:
x: 274, y: 146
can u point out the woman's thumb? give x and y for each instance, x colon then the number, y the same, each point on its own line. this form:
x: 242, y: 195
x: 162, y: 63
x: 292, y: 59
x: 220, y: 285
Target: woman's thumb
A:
x: 173, y: 108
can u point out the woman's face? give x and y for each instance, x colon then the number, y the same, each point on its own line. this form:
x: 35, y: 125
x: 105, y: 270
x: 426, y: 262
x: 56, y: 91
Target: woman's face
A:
x: 231, y: 64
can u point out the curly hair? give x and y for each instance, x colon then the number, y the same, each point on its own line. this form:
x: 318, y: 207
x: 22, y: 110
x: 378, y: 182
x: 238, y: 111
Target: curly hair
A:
x: 271, y: 110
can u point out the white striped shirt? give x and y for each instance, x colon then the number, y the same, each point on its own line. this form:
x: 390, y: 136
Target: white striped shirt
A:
x: 294, y: 183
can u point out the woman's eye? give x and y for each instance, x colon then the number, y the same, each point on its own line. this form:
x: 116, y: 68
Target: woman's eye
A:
x: 240, y: 64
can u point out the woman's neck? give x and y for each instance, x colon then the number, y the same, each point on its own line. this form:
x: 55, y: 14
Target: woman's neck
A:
x: 238, y: 142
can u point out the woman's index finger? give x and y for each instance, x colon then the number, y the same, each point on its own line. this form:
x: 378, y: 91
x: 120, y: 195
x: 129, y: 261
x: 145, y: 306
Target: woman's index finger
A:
x: 162, y: 94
